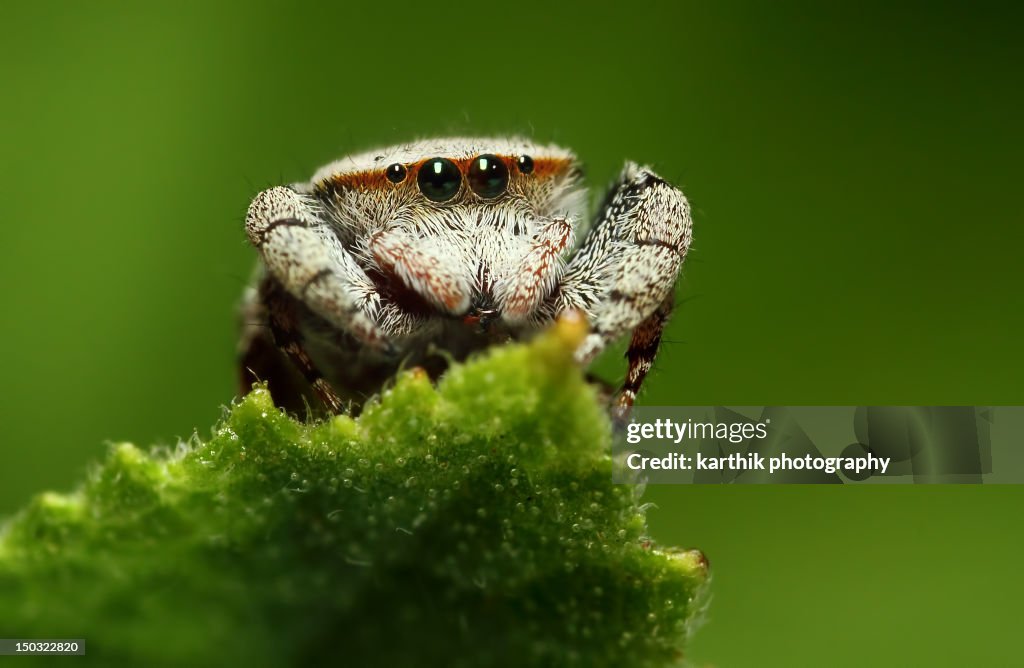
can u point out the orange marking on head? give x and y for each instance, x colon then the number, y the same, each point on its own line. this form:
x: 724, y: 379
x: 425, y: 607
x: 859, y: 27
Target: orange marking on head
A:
x: 377, y: 179
x: 371, y: 180
x: 551, y: 166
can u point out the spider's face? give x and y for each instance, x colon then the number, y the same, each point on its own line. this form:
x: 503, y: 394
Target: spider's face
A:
x: 453, y: 219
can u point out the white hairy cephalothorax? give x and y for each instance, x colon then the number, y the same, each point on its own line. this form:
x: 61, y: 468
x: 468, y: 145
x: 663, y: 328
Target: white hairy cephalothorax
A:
x: 421, y: 253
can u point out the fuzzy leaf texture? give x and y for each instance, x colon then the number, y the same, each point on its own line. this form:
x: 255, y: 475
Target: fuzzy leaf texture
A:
x: 471, y: 524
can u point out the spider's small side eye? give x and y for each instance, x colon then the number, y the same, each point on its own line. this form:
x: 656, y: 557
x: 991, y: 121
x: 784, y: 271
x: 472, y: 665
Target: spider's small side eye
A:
x: 396, y: 172
x: 488, y: 176
x: 525, y: 164
x: 439, y: 179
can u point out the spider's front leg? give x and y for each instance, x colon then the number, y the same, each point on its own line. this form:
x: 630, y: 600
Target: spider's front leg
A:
x: 624, y: 273
x: 305, y: 258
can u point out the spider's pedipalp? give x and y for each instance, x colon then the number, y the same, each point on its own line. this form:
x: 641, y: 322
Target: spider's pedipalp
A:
x: 537, y: 273
x: 424, y: 268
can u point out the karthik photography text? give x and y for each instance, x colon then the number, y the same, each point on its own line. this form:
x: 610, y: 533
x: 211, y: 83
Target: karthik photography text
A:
x: 666, y: 430
x: 755, y: 462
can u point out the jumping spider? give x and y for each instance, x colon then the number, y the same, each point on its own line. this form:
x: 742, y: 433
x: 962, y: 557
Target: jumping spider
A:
x: 425, y: 252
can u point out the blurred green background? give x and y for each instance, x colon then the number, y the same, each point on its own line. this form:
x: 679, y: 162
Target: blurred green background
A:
x: 854, y: 171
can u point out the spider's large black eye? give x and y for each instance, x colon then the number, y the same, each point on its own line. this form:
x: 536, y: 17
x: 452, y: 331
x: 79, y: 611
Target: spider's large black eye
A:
x: 396, y: 172
x: 525, y: 164
x: 439, y: 179
x: 488, y: 176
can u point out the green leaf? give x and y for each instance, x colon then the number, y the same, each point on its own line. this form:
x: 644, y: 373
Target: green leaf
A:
x: 471, y: 524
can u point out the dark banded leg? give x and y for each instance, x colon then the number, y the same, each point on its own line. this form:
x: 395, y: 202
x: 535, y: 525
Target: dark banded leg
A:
x: 256, y: 351
x: 284, y: 326
x: 643, y: 348
x: 260, y: 360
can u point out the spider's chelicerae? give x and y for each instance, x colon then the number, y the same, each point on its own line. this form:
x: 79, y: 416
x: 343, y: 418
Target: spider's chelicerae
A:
x: 425, y: 252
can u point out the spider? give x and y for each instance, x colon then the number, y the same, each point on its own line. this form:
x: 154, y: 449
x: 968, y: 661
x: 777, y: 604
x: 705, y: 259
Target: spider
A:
x: 425, y: 252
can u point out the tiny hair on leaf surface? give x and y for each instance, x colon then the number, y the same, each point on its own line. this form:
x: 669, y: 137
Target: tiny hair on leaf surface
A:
x: 469, y: 524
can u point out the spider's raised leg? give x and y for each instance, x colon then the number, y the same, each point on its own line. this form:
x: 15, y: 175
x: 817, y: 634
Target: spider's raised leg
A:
x: 624, y: 273
x: 306, y: 257
x: 307, y: 264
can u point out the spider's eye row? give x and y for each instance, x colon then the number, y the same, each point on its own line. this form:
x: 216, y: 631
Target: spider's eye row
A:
x: 396, y: 172
x: 439, y: 179
x: 488, y: 176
